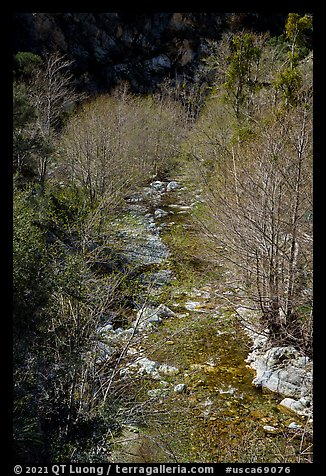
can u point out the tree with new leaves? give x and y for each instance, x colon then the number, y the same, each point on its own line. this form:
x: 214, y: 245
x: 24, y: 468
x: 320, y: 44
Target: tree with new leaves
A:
x: 289, y: 80
x: 240, y: 79
x: 295, y: 29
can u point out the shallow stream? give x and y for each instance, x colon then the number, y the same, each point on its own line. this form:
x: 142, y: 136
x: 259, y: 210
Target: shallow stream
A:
x: 208, y: 411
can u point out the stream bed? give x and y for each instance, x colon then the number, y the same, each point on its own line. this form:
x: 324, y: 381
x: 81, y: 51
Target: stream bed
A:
x: 205, y: 409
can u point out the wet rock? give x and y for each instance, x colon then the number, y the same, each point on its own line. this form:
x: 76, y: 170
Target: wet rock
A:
x: 192, y: 305
x: 230, y: 390
x: 147, y: 366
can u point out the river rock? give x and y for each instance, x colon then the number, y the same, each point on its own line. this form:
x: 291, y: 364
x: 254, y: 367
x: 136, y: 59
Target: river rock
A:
x: 301, y: 407
x: 152, y: 368
x: 147, y: 318
x: 158, y: 186
x: 159, y: 213
x: 168, y: 369
x: 145, y: 249
x: 192, y: 305
x: 104, y: 352
x: 106, y: 328
x: 164, y: 311
x: 180, y: 388
x: 139, y: 239
x: 147, y: 366
x: 159, y: 278
x: 173, y: 185
x: 270, y: 429
x: 294, y: 426
x: 285, y: 371
x: 151, y: 316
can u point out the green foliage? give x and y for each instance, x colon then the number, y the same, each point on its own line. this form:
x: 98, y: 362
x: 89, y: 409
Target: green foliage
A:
x: 24, y: 64
x: 278, y: 42
x: 294, y: 29
x: 239, y: 79
x: 23, y: 112
x: 295, y: 26
x: 67, y: 207
x: 243, y: 53
x: 242, y: 134
x: 289, y: 80
x: 23, y: 140
x: 30, y: 268
x: 255, y: 175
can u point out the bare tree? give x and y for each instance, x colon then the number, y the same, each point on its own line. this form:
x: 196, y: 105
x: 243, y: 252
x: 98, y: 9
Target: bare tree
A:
x: 51, y: 94
x: 114, y: 144
x: 257, y: 184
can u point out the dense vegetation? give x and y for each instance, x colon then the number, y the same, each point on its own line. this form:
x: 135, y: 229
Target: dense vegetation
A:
x: 247, y: 147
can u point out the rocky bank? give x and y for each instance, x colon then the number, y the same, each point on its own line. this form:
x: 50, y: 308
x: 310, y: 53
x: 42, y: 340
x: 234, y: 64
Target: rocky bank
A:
x: 283, y: 370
